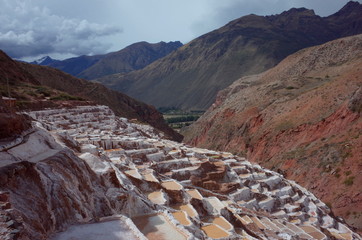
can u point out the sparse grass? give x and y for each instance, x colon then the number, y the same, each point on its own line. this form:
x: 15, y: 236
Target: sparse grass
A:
x: 65, y: 97
x: 285, y: 125
x: 298, y: 153
x: 349, y: 181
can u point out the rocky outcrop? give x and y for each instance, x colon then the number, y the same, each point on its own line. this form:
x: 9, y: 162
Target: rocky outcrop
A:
x: 112, y: 178
x: 301, y: 118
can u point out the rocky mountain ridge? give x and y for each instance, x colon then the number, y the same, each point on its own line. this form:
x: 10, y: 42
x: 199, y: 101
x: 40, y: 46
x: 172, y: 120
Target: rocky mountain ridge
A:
x: 190, y: 77
x: 302, y: 118
x: 133, y: 57
x: 80, y: 171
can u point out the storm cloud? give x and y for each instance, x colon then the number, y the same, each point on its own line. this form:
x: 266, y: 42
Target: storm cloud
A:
x: 28, y: 30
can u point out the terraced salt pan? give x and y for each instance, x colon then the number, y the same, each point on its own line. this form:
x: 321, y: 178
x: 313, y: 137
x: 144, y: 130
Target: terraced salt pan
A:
x: 171, y: 185
x: 214, y: 231
x: 194, y: 193
x: 157, y: 197
x: 134, y: 173
x: 150, y: 177
x: 181, y: 216
x: 188, y: 208
x: 157, y: 227
x: 315, y: 233
x: 283, y: 199
x: 222, y: 222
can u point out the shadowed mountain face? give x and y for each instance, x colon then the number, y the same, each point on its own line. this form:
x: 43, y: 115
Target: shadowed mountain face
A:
x: 38, y: 87
x: 301, y: 118
x: 73, y: 66
x: 133, y: 57
x: 190, y: 77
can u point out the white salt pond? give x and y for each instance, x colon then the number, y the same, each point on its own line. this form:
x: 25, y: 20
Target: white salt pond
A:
x: 157, y: 197
x: 157, y: 227
x: 110, y: 230
x: 214, y: 231
x: 172, y: 185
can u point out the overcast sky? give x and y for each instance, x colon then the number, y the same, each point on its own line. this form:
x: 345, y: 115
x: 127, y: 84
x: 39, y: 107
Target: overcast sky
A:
x: 31, y: 29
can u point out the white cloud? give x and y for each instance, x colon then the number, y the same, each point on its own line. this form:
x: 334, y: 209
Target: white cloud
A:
x: 29, y: 30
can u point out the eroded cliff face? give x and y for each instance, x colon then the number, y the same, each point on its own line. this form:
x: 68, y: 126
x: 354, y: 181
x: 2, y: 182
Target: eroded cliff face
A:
x: 301, y: 118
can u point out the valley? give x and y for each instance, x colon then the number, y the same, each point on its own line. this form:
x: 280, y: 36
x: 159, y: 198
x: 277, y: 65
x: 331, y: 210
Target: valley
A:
x: 178, y: 119
x: 250, y: 131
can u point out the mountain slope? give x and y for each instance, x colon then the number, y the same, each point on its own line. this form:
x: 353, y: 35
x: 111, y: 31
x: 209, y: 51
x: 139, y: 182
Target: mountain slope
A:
x: 38, y: 87
x: 302, y: 118
x: 76, y: 65
x: 191, y: 77
x: 133, y: 57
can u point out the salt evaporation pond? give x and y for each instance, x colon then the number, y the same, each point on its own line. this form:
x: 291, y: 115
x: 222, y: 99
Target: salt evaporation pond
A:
x: 110, y: 230
x: 157, y: 227
x: 157, y: 197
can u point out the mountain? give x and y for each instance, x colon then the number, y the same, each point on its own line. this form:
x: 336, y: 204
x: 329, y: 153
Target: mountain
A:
x: 44, y: 61
x: 301, y: 118
x: 37, y: 87
x: 133, y: 57
x: 190, y: 77
x: 75, y: 65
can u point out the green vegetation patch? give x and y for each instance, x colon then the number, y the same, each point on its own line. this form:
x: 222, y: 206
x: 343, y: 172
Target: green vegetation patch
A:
x: 46, y: 92
x: 177, y: 118
x: 186, y: 118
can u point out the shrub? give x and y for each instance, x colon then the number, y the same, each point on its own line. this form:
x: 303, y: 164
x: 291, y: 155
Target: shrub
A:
x: 44, y: 91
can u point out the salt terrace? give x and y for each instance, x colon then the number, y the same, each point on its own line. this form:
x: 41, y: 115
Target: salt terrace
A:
x: 194, y: 193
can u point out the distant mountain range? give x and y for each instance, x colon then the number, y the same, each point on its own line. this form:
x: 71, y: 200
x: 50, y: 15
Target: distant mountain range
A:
x: 190, y: 77
x: 133, y: 57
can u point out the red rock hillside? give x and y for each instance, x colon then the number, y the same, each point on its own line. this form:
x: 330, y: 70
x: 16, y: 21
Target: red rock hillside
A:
x: 301, y: 118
